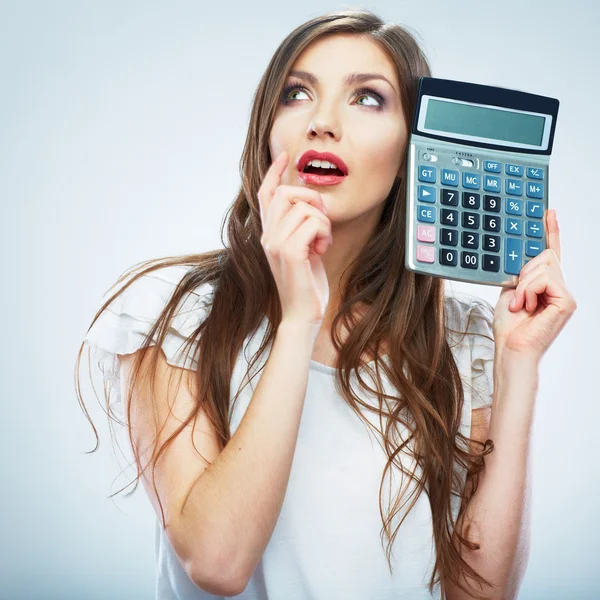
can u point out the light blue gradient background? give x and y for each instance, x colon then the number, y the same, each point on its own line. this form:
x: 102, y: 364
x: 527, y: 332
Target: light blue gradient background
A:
x: 121, y: 129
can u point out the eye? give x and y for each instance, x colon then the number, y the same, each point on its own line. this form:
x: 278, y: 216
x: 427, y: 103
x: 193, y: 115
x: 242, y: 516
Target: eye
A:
x: 369, y: 92
x: 362, y: 92
x: 288, y: 89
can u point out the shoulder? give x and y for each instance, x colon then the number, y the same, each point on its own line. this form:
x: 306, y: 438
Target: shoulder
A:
x: 144, y: 297
x: 126, y: 323
x: 466, y: 313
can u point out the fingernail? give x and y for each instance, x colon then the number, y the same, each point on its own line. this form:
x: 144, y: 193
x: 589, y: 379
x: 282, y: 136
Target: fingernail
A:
x: 513, y: 302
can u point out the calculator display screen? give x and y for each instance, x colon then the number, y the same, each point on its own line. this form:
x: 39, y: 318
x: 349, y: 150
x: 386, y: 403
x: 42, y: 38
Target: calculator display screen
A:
x: 483, y: 123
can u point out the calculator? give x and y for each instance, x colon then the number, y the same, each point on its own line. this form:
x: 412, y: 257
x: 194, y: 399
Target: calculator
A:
x: 477, y: 181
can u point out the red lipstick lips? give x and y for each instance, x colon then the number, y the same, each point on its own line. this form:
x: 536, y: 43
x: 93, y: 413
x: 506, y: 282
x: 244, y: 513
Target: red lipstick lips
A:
x: 316, y: 179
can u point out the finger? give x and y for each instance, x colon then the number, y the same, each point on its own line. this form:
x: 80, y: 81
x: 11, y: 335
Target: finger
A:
x: 544, y: 284
x: 271, y: 182
x: 547, y: 257
x: 553, y: 232
x: 308, y: 238
x: 284, y: 199
x: 294, y: 218
x: 524, y: 280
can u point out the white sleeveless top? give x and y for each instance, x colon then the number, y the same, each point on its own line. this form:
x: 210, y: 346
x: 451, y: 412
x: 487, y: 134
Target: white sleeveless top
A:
x: 326, y: 544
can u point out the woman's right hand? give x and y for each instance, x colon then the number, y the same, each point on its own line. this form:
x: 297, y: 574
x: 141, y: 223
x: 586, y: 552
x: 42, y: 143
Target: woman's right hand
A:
x: 296, y: 232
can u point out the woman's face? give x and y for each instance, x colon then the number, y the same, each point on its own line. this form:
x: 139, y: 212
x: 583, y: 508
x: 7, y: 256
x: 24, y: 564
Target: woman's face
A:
x: 364, y: 127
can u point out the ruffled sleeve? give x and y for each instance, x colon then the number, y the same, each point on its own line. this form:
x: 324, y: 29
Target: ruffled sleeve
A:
x: 123, y: 327
x: 482, y: 353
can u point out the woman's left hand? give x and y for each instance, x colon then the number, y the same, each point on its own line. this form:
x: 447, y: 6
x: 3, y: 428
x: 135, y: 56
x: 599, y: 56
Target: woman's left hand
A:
x: 543, y: 304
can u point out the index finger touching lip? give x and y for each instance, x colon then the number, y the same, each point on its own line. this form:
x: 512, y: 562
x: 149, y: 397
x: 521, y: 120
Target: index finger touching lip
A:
x: 273, y: 178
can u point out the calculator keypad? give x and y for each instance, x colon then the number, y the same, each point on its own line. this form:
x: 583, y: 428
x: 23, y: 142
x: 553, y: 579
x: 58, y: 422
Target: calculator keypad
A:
x: 489, y: 220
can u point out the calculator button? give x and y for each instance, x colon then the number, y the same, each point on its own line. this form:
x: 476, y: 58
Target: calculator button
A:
x: 491, y: 183
x: 514, y: 170
x: 535, y: 173
x: 449, y: 197
x: 532, y: 248
x: 535, y: 209
x: 449, y: 237
x: 514, y: 187
x: 491, y: 243
x: 470, y: 200
x: 491, y: 203
x: 448, y: 257
x: 535, y: 190
x: 470, y: 220
x: 425, y: 253
x: 426, y: 193
x: 514, y: 206
x: 514, y: 226
x: 490, y: 263
x: 492, y: 167
x: 449, y: 177
x: 471, y: 180
x: 426, y: 213
x: 449, y: 217
x: 492, y: 223
x: 427, y: 174
x: 513, y: 256
x: 426, y: 233
x: 469, y: 260
x: 534, y: 229
x: 470, y: 239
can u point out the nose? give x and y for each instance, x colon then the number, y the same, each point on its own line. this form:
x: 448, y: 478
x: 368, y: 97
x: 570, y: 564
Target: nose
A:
x: 324, y: 123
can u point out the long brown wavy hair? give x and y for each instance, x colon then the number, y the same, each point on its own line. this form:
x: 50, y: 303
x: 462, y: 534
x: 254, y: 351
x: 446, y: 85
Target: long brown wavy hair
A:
x: 405, y: 307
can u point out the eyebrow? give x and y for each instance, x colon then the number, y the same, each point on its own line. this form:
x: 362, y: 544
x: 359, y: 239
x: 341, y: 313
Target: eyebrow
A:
x: 350, y: 79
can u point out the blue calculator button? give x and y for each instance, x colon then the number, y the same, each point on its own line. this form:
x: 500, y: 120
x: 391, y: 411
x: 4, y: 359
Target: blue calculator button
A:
x: 534, y: 229
x: 471, y: 180
x: 532, y: 248
x: 513, y: 256
x: 514, y: 206
x: 514, y: 187
x: 426, y: 214
x: 514, y: 226
x: 514, y: 170
x: 535, y: 173
x: 535, y: 209
x: 427, y: 174
x: 492, y: 167
x: 426, y: 193
x: 535, y: 190
x: 491, y: 183
x: 449, y: 177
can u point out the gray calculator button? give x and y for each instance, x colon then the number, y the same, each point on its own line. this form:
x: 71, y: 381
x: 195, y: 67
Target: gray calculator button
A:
x: 449, y: 237
x: 469, y: 260
x: 490, y: 263
x: 449, y: 197
x: 448, y: 257
x: 470, y: 220
x: 491, y: 203
x: 470, y: 239
x: 491, y: 243
x: 492, y: 222
x: 470, y: 200
x: 449, y: 217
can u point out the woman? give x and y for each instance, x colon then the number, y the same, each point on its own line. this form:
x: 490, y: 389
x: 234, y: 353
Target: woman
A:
x: 273, y: 486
